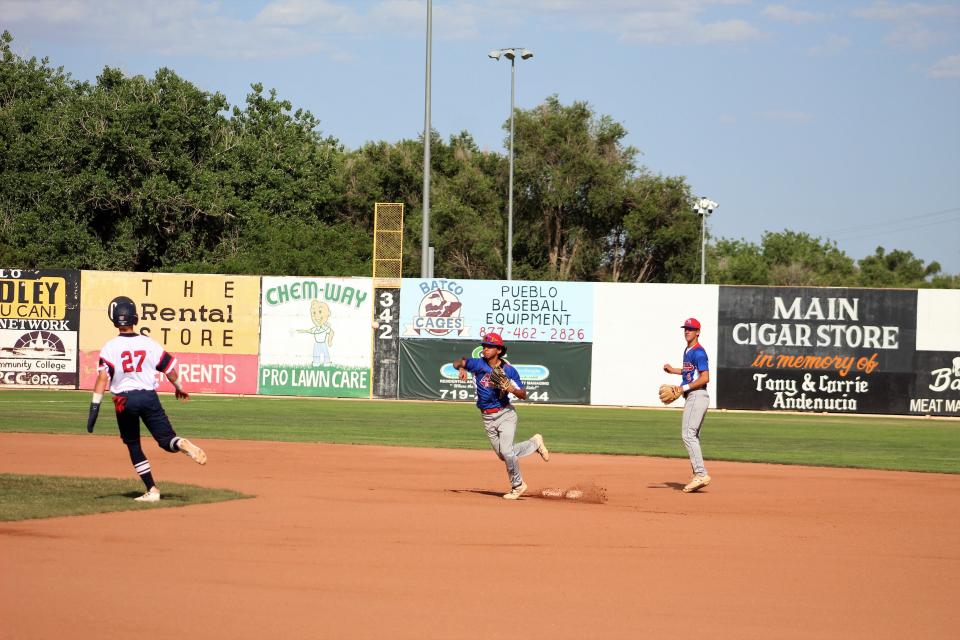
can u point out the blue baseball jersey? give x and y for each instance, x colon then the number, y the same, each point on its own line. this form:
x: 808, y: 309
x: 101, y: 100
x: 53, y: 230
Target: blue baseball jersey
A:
x: 694, y: 362
x: 488, y: 396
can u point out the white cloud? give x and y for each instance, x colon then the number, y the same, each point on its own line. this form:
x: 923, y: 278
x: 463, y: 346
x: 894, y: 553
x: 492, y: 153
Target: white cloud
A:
x: 948, y: 67
x: 681, y: 27
x: 833, y: 45
x: 899, y: 12
x: 450, y: 21
x: 912, y: 36
x: 14, y: 11
x: 783, y: 13
x: 314, y: 13
x: 785, y: 115
x: 914, y: 25
x: 190, y: 27
x: 730, y: 31
x: 286, y: 28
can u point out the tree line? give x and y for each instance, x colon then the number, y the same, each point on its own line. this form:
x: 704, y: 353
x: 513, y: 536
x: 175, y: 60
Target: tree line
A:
x: 154, y: 174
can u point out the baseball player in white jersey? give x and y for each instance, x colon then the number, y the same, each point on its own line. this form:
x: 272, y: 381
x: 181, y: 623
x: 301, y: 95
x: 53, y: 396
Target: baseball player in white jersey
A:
x: 129, y: 364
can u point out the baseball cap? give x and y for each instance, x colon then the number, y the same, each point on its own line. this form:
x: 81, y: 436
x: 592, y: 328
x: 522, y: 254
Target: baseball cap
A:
x: 494, y: 340
x: 691, y: 323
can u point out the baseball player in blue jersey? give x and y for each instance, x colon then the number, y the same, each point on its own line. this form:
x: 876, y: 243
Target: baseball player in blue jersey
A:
x: 695, y: 373
x: 499, y: 416
x: 129, y: 363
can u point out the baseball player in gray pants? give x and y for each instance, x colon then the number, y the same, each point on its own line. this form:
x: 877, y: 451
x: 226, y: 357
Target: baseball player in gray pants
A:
x: 695, y: 373
x: 499, y: 416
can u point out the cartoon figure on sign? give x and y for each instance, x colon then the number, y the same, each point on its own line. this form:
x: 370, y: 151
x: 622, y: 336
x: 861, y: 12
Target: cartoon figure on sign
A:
x: 322, y: 332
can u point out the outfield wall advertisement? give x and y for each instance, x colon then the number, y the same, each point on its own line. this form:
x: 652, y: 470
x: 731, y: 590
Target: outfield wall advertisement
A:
x: 39, y: 325
x: 638, y: 330
x: 936, y: 384
x: 211, y: 323
x: 316, y: 337
x: 549, y: 370
x: 470, y: 309
x: 817, y: 349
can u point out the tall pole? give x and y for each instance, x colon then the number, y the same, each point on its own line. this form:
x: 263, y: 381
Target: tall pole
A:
x: 425, y: 241
x: 513, y: 76
x: 703, y: 249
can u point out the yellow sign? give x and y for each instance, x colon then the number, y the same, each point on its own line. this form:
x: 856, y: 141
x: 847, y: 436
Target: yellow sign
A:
x: 41, y: 299
x: 186, y: 313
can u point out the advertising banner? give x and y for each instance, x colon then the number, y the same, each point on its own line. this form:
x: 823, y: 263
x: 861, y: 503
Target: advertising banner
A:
x: 555, y: 373
x: 936, y: 386
x: 470, y: 309
x: 816, y: 349
x: 316, y: 337
x: 39, y: 323
x: 211, y: 323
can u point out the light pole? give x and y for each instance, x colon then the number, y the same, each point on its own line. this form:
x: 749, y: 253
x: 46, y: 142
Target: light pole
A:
x: 511, y: 55
x: 426, y: 268
x: 704, y: 206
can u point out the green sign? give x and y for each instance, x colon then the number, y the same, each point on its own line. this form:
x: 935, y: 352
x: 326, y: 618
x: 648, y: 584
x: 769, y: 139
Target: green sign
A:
x: 553, y: 373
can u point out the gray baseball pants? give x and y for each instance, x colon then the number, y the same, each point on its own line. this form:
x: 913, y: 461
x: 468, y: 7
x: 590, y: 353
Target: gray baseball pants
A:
x: 501, y: 428
x: 694, y: 410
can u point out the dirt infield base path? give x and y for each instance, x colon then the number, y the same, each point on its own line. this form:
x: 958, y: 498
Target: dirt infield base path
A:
x: 390, y: 542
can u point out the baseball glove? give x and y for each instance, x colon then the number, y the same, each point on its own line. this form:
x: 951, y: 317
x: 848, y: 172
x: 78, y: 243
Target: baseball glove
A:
x: 500, y: 380
x: 669, y: 393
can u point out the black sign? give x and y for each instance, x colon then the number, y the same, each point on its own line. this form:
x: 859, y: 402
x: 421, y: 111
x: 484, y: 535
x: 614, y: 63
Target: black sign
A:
x: 39, y: 322
x: 552, y: 372
x: 386, y: 342
x: 816, y: 349
x: 935, y: 388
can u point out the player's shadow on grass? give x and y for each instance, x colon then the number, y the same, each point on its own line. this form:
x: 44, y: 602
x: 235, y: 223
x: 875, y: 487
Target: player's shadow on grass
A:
x: 676, y: 486
x: 483, y: 492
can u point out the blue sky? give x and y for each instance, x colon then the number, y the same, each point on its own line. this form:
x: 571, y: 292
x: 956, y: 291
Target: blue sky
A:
x: 840, y: 119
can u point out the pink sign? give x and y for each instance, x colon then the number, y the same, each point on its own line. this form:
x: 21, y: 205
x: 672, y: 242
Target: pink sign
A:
x: 200, y: 373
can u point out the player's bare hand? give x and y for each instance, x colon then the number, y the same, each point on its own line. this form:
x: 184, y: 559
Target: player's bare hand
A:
x: 462, y: 375
x: 666, y: 368
x: 182, y: 396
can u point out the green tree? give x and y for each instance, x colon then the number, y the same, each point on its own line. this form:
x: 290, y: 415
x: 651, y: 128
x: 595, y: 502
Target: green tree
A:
x: 737, y: 262
x: 653, y: 233
x: 785, y: 258
x: 278, y: 182
x: 465, y: 209
x: 798, y: 259
x: 571, y: 171
x: 36, y: 229
x: 895, y: 269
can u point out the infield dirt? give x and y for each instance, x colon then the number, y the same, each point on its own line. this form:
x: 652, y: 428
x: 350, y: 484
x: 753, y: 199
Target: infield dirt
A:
x: 390, y: 542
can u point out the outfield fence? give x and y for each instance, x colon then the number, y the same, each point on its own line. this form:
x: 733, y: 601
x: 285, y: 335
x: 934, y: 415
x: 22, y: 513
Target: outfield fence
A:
x: 803, y: 349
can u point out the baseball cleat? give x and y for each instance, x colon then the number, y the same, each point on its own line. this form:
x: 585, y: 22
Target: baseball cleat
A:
x: 516, y: 492
x: 541, y: 448
x: 697, y: 482
x: 199, y: 455
x: 153, y: 495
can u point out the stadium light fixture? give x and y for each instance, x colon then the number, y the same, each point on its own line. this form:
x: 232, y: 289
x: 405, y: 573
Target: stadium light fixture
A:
x: 511, y: 55
x: 704, y: 207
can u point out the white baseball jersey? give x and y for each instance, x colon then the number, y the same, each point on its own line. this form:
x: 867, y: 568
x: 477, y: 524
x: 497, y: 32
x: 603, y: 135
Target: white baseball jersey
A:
x: 133, y: 360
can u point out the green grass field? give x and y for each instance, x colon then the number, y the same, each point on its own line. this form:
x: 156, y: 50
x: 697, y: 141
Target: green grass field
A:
x: 25, y: 497
x: 820, y: 440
